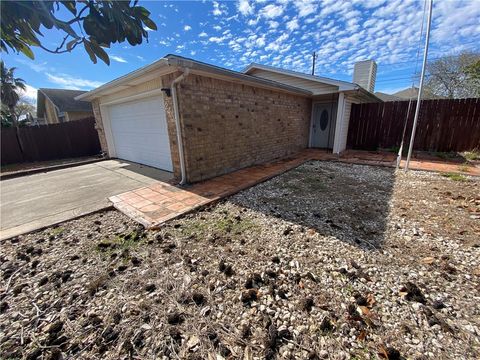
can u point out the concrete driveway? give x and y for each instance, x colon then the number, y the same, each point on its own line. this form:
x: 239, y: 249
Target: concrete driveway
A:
x: 32, y: 202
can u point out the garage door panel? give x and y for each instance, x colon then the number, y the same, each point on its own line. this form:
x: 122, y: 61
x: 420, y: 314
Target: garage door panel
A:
x: 140, y: 133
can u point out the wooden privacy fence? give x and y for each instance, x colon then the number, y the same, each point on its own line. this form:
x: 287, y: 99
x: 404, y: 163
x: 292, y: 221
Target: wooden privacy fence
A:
x: 49, y: 142
x: 443, y: 125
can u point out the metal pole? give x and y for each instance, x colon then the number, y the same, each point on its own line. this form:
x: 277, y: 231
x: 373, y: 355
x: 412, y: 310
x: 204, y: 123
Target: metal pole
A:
x: 400, y: 150
x: 313, y: 65
x: 420, y: 87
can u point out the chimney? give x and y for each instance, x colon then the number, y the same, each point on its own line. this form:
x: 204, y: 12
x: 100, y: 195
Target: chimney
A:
x: 365, y: 74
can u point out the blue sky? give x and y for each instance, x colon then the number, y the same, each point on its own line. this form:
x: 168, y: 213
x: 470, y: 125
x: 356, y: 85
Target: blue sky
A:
x: 280, y: 33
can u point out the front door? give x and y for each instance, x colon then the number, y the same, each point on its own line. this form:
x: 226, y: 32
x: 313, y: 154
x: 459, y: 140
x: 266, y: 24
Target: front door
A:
x: 323, y: 123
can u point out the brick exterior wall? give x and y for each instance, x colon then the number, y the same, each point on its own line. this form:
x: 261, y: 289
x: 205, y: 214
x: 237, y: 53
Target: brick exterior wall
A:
x: 172, y: 131
x: 228, y: 126
x: 99, y: 125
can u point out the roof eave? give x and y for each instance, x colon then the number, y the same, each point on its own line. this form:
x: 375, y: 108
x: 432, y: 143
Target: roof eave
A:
x: 200, y: 66
x: 174, y: 63
x: 367, y: 94
x: 130, y: 76
x: 370, y: 95
x: 343, y: 85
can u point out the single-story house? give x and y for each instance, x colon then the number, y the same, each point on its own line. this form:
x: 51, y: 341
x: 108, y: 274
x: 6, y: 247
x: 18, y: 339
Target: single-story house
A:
x: 410, y: 93
x: 59, y: 105
x: 200, y: 121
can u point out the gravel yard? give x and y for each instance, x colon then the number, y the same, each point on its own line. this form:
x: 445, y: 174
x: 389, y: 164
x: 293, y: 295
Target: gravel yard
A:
x: 327, y: 261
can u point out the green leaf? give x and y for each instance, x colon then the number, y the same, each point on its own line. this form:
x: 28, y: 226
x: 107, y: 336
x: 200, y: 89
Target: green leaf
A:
x: 35, y: 23
x: 27, y: 51
x: 150, y: 24
x: 141, y: 11
x: 3, y: 46
x: 100, y: 52
x: 89, y: 51
x: 71, y: 43
x: 89, y: 24
x: 67, y: 28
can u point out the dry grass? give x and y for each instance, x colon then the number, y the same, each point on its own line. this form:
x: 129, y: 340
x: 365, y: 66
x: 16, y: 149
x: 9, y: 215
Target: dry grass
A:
x: 327, y: 260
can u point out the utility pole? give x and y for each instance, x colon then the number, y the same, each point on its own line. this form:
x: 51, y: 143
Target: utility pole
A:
x: 420, y: 87
x: 313, y: 64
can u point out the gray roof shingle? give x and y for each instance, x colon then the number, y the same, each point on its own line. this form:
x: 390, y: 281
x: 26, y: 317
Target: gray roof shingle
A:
x: 63, y: 99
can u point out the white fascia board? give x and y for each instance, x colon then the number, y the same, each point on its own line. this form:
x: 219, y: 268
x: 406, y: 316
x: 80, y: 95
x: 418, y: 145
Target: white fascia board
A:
x: 124, y: 79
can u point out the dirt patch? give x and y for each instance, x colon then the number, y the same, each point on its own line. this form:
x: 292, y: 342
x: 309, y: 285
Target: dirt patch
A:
x: 354, y: 262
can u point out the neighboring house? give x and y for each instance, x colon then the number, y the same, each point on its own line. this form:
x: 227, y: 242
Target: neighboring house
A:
x: 59, y: 105
x: 387, y: 97
x: 406, y: 94
x: 201, y: 121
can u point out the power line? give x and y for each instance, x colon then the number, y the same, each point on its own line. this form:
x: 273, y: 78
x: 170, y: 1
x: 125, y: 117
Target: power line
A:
x: 474, y: 49
x: 394, y: 79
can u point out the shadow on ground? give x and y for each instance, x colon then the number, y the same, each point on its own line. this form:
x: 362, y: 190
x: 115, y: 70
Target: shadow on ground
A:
x: 138, y: 171
x: 346, y: 201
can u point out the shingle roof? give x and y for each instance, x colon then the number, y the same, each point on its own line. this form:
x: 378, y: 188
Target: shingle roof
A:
x: 387, y: 97
x: 63, y: 99
x: 171, y: 63
x: 326, y: 80
x: 407, y: 93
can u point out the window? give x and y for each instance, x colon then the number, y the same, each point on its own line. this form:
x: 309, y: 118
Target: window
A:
x: 324, y: 120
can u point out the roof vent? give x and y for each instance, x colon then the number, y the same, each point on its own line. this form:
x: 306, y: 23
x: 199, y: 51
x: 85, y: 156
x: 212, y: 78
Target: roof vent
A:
x: 365, y: 74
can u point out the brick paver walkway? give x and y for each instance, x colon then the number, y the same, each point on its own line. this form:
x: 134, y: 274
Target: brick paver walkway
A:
x: 155, y: 204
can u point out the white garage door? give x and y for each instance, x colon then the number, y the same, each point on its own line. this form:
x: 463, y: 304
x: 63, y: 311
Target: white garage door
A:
x: 139, y: 130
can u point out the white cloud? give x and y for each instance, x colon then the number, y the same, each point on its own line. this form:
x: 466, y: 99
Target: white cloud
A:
x: 244, y: 7
x: 36, y: 66
x: 293, y: 25
x: 233, y: 17
x: 217, y: 27
x: 277, y: 44
x: 260, y: 41
x: 29, y: 95
x: 272, y: 11
x: 187, y: 28
x: 203, y: 34
x: 305, y: 7
x: 219, y: 9
x: 273, y: 24
x: 217, y: 39
x: 118, y: 59
x: 69, y: 82
x: 373, y: 3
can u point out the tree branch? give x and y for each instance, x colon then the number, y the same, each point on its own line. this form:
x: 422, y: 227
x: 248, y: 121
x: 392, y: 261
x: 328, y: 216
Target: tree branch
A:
x: 62, y: 43
x: 78, y: 17
x: 58, y: 51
